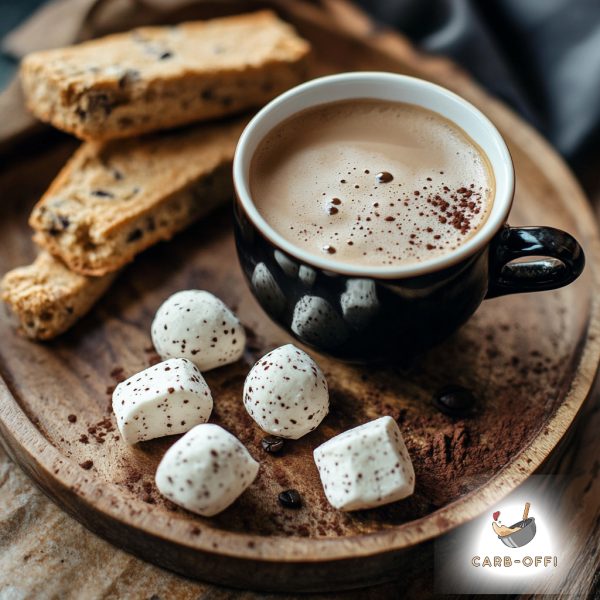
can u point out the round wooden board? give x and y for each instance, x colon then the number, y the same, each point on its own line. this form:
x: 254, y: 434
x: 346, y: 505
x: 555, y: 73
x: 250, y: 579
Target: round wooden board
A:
x: 530, y: 360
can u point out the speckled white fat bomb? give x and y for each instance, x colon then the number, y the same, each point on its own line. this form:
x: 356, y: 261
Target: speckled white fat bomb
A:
x: 168, y: 398
x: 206, y: 470
x: 286, y: 393
x: 366, y: 467
x: 196, y: 325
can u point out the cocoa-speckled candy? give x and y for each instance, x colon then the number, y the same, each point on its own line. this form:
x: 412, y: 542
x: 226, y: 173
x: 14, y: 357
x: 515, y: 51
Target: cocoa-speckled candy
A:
x: 168, y: 398
x: 286, y: 393
x: 206, y: 470
x: 196, y: 325
x: 366, y: 466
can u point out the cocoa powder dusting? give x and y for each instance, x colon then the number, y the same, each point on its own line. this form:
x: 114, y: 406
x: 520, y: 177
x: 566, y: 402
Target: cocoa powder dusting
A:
x: 118, y: 374
x: 153, y: 359
x: 99, y: 431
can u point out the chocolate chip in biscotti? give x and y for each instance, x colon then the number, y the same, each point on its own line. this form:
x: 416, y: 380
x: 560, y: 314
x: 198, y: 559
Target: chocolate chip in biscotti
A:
x: 198, y: 326
x: 126, y: 122
x: 102, y: 194
x: 118, y: 175
x: 207, y: 94
x: 100, y: 101
x: 130, y: 76
x: 135, y: 235
x: 56, y: 224
x: 286, y: 393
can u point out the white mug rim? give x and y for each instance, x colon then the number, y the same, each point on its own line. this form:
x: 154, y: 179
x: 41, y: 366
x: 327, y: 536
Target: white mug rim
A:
x: 502, y: 168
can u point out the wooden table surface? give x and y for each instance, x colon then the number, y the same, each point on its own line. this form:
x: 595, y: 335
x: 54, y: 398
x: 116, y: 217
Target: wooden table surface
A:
x: 46, y: 554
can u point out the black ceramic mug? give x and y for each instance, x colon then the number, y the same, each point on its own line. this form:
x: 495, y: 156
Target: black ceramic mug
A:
x: 392, y: 313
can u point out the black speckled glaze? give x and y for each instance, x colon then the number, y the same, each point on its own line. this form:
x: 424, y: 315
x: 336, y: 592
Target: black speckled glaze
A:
x: 368, y: 320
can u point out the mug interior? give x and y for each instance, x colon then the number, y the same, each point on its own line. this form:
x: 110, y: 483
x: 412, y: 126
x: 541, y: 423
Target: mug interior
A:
x: 389, y: 87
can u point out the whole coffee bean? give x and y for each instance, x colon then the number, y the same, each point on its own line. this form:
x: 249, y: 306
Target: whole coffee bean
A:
x: 455, y: 401
x: 272, y: 444
x: 290, y: 499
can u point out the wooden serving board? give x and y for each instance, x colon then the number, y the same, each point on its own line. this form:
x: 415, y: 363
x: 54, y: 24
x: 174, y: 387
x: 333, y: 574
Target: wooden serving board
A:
x: 529, y: 359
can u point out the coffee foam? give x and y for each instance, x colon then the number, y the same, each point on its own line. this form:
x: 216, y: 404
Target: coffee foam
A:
x: 319, y: 179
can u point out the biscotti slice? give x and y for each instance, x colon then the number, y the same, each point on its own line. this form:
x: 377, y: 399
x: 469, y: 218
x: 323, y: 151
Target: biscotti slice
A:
x: 47, y: 298
x: 112, y: 200
x: 159, y: 77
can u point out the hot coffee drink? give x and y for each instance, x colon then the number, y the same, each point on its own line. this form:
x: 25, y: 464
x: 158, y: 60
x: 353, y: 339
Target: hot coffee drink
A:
x: 371, y: 229
x: 372, y: 182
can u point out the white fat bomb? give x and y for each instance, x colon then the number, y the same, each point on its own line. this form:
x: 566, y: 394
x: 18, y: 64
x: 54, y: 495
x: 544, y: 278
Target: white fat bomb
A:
x: 206, y: 470
x: 286, y: 393
x: 168, y: 398
x: 366, y: 466
x: 196, y: 325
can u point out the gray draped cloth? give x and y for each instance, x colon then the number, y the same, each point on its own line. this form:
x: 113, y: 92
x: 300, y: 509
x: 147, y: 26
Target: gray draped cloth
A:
x: 540, y: 56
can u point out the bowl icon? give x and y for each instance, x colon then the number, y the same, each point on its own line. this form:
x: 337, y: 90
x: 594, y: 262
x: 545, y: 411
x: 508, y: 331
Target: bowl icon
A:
x: 522, y: 537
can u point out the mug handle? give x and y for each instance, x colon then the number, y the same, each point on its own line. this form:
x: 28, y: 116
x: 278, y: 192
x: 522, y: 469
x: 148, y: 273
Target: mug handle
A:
x: 563, y: 260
